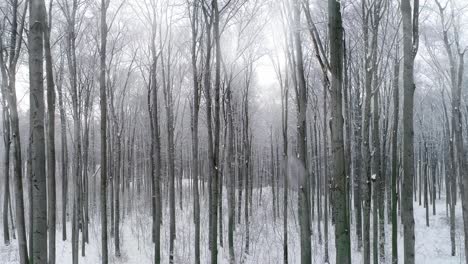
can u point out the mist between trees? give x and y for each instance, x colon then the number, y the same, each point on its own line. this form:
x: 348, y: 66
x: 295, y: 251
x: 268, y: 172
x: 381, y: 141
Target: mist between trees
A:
x: 233, y: 131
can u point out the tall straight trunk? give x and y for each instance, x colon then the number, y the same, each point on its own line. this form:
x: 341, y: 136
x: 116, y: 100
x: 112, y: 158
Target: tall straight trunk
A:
x: 319, y: 180
x: 110, y: 160
x: 28, y: 172
x: 426, y: 198
x: 357, y: 165
x: 167, y: 89
x: 348, y: 124
x: 326, y: 183
x: 284, y: 171
x: 365, y: 168
x: 85, y: 174
x: 103, y: 132
x: 216, y: 137
x: 6, y: 157
x: 449, y: 176
x: 51, y: 188
x: 272, y: 172
x: 396, y: 105
x: 64, y: 151
x: 312, y: 178
x: 212, y: 170
x: 246, y: 172
x: 156, y: 151
x: 301, y: 97
x: 377, y: 180
x: 410, y: 43
x: 342, y: 237
x: 194, y: 130
x: 231, y: 174
x: 239, y: 180
x: 117, y: 165
x: 433, y: 177
x: 460, y: 150
x: 419, y: 175
x: 37, y: 114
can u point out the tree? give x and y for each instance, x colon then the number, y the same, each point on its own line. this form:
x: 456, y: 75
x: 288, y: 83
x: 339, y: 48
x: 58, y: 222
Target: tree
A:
x: 37, y: 114
x: 64, y: 149
x: 7, y: 144
x: 194, y: 12
x: 103, y: 110
x: 51, y: 196
x: 410, y: 22
x: 343, y: 245
x: 301, y: 99
x: 395, y: 170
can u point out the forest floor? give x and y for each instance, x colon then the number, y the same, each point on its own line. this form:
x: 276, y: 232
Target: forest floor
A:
x: 266, y: 236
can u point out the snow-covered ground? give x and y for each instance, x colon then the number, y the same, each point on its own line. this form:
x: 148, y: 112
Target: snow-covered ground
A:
x: 432, y: 243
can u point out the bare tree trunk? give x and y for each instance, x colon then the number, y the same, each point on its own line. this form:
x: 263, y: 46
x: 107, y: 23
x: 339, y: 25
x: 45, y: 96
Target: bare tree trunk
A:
x: 64, y: 151
x: 358, y: 163
x: 156, y: 144
x: 449, y: 175
x: 301, y: 97
x: 272, y: 172
x: 231, y: 174
x: 51, y: 188
x: 342, y: 237
x: 116, y: 189
x: 377, y: 176
x: 396, y: 105
x: 426, y: 199
x: 284, y: 167
x: 246, y: 172
x: 103, y: 133
x: 410, y: 43
x: 194, y: 128
x: 167, y: 90
x: 7, y: 144
x: 326, y: 182
x: 37, y: 114
x: 216, y: 137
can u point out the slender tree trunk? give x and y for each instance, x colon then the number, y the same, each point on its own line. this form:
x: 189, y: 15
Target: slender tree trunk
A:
x: 116, y: 190
x: 64, y: 151
x: 377, y: 177
x: 342, y: 237
x: 103, y: 133
x: 194, y: 130
x: 231, y: 174
x: 6, y: 157
x: 156, y: 152
x: 37, y: 114
x: 301, y: 97
x: 326, y: 182
x: 410, y: 43
x: 396, y: 105
x: 167, y: 89
x: 426, y: 198
x: 284, y: 167
x: 357, y: 166
x: 51, y: 196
